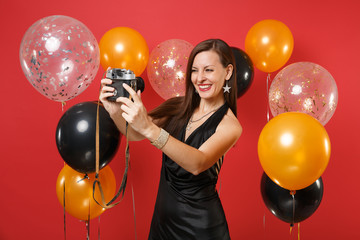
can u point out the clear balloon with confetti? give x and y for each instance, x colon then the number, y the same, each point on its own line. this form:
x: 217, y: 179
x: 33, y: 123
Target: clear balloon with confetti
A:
x: 59, y: 56
x: 304, y: 87
x: 166, y: 69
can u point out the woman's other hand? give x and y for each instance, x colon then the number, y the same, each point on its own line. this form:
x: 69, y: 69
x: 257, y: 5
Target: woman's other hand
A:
x: 112, y: 108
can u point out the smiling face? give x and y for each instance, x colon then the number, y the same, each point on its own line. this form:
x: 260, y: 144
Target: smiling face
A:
x: 208, y: 75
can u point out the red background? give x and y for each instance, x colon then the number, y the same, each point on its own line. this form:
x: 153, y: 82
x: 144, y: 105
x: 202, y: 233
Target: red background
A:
x: 325, y: 32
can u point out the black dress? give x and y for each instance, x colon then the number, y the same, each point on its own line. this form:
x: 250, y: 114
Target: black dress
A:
x: 188, y: 206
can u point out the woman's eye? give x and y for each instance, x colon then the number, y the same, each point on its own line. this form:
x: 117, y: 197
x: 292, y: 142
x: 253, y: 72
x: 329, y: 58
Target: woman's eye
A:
x: 209, y: 70
x: 193, y: 70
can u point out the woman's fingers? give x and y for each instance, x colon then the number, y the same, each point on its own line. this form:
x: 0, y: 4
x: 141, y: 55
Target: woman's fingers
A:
x: 132, y: 93
x: 125, y: 108
x: 105, y: 95
x: 106, y: 81
x: 125, y: 101
x: 106, y: 89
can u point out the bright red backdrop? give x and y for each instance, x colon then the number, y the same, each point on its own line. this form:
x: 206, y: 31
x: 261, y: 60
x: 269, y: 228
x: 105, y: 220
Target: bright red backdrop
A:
x: 325, y: 32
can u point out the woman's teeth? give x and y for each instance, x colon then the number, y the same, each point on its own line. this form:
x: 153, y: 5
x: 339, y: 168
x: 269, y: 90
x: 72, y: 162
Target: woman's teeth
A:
x: 204, y: 87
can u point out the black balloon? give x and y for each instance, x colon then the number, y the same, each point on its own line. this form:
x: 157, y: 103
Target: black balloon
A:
x: 75, y: 137
x: 244, y: 71
x: 280, y: 201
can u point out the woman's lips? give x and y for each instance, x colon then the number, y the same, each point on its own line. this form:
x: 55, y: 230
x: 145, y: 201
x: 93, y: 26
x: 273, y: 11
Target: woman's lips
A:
x: 204, y: 87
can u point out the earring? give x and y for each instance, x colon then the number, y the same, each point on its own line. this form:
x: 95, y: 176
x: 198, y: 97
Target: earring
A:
x: 226, y: 88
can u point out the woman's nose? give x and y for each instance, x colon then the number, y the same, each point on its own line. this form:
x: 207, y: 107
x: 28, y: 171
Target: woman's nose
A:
x: 200, y: 76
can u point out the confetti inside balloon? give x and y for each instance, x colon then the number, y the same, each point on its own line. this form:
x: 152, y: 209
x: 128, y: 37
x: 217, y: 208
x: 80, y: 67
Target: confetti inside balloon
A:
x: 167, y: 67
x: 59, y: 56
x: 304, y: 87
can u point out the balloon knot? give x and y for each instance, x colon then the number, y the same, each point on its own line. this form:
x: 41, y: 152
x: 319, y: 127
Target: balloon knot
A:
x: 85, y: 177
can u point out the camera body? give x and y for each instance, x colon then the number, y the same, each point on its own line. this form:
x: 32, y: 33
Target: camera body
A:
x: 120, y: 76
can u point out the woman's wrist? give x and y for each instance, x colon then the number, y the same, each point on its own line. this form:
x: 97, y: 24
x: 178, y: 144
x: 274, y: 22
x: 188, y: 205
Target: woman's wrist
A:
x: 157, y: 136
x: 116, y: 116
x: 152, y: 132
x: 161, y: 140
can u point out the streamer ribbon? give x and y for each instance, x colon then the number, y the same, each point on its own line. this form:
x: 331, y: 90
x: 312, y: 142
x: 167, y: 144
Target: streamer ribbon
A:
x: 267, y: 94
x: 121, y: 191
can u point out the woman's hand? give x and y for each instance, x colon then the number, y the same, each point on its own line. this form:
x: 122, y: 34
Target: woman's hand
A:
x: 112, y: 108
x: 135, y: 113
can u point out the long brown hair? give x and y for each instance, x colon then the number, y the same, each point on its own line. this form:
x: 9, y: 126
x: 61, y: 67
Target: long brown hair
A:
x: 174, y: 113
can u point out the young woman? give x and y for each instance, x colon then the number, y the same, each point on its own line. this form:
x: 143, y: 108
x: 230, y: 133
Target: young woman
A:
x: 194, y: 132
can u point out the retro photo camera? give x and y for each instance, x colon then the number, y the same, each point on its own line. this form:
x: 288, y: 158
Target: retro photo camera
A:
x: 120, y: 76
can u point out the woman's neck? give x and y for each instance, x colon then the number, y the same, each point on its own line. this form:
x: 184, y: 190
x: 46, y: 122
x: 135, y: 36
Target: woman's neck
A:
x: 206, y: 105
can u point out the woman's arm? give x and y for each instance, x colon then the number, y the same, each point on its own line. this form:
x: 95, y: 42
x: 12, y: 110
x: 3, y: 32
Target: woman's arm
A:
x: 191, y: 159
x: 198, y: 160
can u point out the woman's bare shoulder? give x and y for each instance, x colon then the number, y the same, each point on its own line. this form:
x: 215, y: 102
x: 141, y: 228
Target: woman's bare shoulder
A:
x: 230, y: 122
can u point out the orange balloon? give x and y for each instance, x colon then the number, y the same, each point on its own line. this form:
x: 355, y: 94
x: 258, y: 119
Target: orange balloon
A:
x: 294, y: 150
x: 123, y: 47
x: 79, y: 200
x: 269, y: 43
